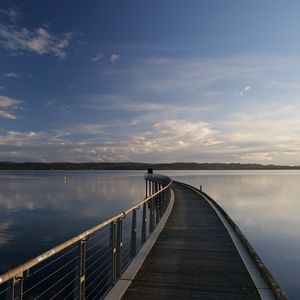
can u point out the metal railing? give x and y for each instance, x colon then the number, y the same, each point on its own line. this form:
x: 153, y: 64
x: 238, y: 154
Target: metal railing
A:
x: 88, y: 265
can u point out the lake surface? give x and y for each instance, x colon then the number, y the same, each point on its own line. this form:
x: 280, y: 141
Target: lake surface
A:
x: 39, y: 210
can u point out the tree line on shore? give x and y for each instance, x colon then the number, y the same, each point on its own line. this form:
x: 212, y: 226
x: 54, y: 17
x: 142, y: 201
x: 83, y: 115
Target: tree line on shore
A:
x: 138, y: 166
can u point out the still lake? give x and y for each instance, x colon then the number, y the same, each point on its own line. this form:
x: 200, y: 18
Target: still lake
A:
x: 39, y: 210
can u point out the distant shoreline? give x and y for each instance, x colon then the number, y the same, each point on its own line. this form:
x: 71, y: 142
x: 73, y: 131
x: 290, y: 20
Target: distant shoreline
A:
x: 139, y: 166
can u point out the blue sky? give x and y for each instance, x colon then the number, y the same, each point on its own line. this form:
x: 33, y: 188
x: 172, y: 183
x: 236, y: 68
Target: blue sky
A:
x: 153, y: 81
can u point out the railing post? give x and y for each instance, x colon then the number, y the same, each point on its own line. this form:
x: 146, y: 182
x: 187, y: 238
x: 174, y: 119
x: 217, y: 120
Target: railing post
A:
x: 119, y: 248
x: 113, y: 242
x: 133, y: 234
x: 157, y: 209
x: 144, y: 223
x: 151, y: 223
x: 146, y: 188
x: 82, y: 269
x: 163, y: 201
x: 16, y: 287
x: 153, y: 191
x: 157, y: 213
x: 160, y: 202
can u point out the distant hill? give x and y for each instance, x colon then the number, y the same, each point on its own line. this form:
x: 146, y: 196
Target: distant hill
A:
x: 139, y: 166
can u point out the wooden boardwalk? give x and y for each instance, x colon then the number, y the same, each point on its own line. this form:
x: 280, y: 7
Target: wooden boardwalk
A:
x: 193, y: 258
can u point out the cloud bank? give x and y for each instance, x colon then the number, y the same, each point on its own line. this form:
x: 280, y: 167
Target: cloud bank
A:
x: 171, y: 109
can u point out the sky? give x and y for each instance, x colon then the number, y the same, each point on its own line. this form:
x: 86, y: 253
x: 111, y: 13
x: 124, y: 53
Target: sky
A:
x: 150, y: 81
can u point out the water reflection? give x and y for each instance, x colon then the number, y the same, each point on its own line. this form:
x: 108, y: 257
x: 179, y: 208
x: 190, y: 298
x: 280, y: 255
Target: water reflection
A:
x: 266, y: 206
x: 38, y: 210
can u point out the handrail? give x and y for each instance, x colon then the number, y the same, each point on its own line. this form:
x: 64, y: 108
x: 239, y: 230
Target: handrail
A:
x: 15, y: 272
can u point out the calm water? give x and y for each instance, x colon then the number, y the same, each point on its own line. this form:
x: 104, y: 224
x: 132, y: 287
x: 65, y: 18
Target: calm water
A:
x: 38, y: 210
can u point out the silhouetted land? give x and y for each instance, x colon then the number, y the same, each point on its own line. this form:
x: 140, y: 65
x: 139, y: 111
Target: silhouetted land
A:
x: 139, y: 166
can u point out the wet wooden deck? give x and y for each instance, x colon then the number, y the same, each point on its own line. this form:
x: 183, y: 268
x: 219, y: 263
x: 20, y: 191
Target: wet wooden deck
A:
x: 193, y: 258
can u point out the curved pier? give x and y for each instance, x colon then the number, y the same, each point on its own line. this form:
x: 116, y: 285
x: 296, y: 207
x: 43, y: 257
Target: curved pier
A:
x: 198, y: 256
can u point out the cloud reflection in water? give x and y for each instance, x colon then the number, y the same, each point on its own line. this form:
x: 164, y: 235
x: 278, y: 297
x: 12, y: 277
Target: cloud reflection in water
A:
x: 38, y: 210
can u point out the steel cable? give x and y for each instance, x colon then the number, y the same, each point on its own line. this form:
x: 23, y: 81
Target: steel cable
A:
x: 91, y: 256
x: 49, y: 288
x: 51, y: 262
x: 76, y: 278
x: 88, y: 268
x: 90, y: 283
x: 47, y: 277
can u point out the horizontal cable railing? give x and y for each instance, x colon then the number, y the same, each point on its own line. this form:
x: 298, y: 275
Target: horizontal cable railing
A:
x: 89, y: 264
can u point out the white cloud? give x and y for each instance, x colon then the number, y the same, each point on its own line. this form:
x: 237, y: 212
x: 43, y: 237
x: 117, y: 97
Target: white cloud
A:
x: 119, y: 102
x: 195, y: 75
x: 11, y: 75
x: 19, y: 138
x: 158, y: 143
x: 99, y: 56
x: 7, y: 104
x: 39, y: 41
x: 245, y: 90
x: 148, y: 111
x: 93, y: 128
x: 7, y: 115
x: 64, y: 108
x: 114, y: 57
x: 258, y: 156
x: 181, y: 129
x: 262, y: 136
x: 12, y: 13
x: 258, y: 140
x: 210, y: 79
